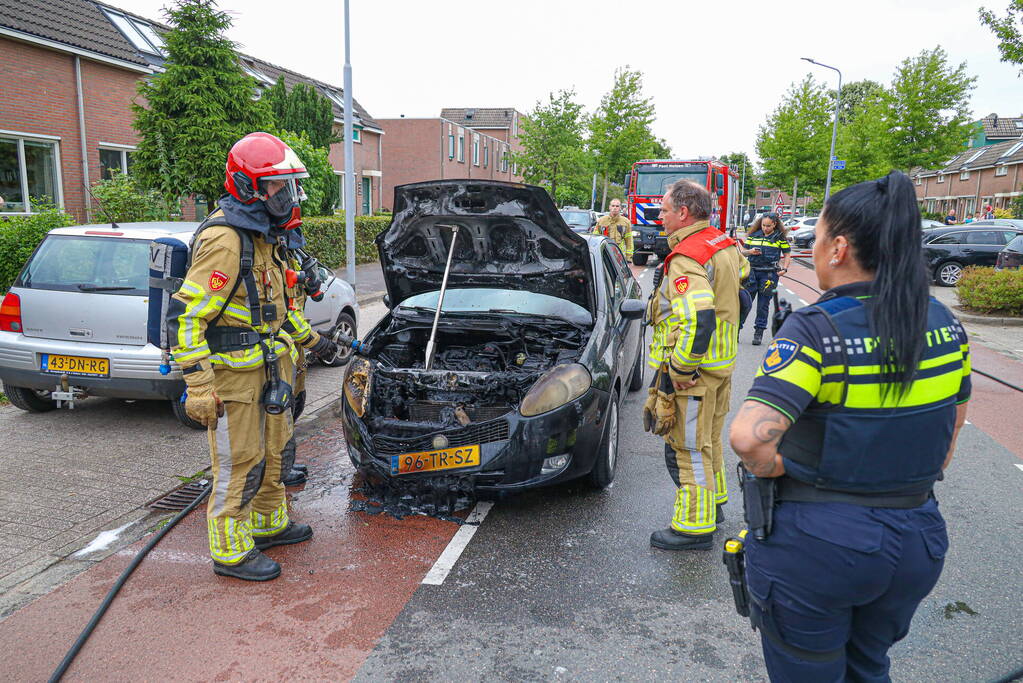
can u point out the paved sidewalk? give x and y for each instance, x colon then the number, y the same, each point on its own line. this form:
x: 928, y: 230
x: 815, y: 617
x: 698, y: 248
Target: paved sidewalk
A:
x: 68, y: 475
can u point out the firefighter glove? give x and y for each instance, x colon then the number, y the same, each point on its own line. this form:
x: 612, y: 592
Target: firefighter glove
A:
x: 201, y: 402
x: 664, y: 411
x: 325, y: 348
x: 650, y: 410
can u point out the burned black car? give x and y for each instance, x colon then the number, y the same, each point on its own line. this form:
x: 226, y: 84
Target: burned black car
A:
x: 516, y: 382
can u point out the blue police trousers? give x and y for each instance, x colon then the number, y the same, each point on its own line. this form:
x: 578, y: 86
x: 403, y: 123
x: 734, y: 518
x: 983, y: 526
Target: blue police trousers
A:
x: 838, y: 585
x: 761, y: 284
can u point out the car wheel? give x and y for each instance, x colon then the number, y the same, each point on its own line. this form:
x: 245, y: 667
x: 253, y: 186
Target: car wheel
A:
x: 603, y: 473
x: 346, y: 324
x: 31, y: 400
x: 947, y: 274
x: 178, y: 408
x: 810, y: 242
x: 636, y: 383
x: 640, y: 259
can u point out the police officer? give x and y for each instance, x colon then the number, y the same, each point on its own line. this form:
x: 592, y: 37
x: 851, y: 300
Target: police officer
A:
x: 695, y: 313
x: 226, y: 325
x: 617, y: 227
x: 854, y: 412
x: 769, y: 255
x: 305, y: 279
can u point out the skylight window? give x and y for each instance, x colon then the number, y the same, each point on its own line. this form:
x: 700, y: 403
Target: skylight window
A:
x: 974, y: 156
x: 262, y: 78
x: 1012, y: 150
x: 138, y: 33
x: 337, y: 98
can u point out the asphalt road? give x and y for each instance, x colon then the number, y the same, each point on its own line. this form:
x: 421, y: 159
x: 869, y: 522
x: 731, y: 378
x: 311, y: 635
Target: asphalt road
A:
x: 562, y: 584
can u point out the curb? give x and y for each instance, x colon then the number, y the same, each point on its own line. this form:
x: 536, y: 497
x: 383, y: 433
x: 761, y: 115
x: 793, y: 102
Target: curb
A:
x: 986, y: 320
x: 371, y: 298
x: 313, y: 422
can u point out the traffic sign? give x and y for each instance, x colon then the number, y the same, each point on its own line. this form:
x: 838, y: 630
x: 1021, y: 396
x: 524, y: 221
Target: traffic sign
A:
x: 838, y: 164
x: 778, y: 204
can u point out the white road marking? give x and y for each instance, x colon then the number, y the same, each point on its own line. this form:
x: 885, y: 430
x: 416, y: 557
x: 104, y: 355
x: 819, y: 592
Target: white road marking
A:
x: 444, y: 564
x: 968, y: 422
x: 803, y: 301
x: 1019, y: 466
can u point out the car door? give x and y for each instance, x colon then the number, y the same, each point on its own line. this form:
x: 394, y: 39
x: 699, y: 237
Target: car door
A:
x: 981, y: 247
x: 943, y: 248
x: 624, y: 334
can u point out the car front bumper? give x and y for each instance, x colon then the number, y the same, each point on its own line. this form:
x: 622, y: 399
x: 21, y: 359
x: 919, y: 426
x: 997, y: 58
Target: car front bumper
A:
x: 511, y: 461
x: 650, y: 240
x: 134, y: 370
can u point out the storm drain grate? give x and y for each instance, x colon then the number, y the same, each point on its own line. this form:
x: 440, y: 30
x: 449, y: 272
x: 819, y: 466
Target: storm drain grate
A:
x: 179, y: 498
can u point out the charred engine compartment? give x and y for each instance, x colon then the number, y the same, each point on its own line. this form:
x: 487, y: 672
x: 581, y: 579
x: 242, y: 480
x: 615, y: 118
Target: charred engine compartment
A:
x: 481, y: 370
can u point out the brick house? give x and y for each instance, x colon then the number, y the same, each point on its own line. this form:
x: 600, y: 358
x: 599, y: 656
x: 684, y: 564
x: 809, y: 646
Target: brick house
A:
x: 435, y: 148
x: 767, y: 198
x: 68, y: 76
x: 977, y: 177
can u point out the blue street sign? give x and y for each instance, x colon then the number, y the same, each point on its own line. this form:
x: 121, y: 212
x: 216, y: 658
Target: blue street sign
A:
x: 838, y: 164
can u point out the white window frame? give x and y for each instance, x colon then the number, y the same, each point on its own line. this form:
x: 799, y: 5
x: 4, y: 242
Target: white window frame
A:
x: 1001, y: 169
x: 451, y: 146
x: 964, y: 175
x: 504, y: 159
x: 366, y: 190
x: 20, y: 138
x: 1012, y: 150
x: 356, y: 135
x: 136, y: 32
x: 941, y: 177
x: 341, y: 190
x: 475, y: 149
x: 112, y: 147
x: 461, y: 146
x: 919, y: 181
x: 486, y: 154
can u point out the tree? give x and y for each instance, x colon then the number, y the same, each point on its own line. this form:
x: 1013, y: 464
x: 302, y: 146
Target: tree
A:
x: 553, y: 153
x: 302, y: 110
x: 796, y: 139
x: 1008, y: 30
x: 322, y: 186
x: 865, y: 142
x: 739, y: 161
x: 854, y: 96
x: 196, y: 109
x: 620, y: 128
x: 929, y: 109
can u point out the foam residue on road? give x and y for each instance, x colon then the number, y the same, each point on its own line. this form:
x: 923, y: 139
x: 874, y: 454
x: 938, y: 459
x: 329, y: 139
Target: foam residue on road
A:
x: 102, y: 541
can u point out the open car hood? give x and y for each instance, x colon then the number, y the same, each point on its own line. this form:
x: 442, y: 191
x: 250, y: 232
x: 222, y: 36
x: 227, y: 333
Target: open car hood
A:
x: 510, y: 236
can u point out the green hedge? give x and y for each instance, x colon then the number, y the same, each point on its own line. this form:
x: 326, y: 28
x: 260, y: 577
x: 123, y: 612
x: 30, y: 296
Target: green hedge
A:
x: 326, y: 238
x: 20, y: 235
x: 989, y: 291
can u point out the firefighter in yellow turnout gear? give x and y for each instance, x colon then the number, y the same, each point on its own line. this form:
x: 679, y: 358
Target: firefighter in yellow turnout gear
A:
x: 226, y: 322
x: 617, y: 227
x: 695, y: 314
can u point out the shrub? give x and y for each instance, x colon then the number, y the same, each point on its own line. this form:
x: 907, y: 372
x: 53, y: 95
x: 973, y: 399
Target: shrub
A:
x: 989, y: 291
x: 1003, y: 213
x: 933, y: 216
x: 122, y: 199
x: 326, y: 238
x: 20, y: 235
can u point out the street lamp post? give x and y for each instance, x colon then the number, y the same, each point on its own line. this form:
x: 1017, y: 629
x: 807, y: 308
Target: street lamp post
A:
x: 349, y: 160
x: 834, y: 124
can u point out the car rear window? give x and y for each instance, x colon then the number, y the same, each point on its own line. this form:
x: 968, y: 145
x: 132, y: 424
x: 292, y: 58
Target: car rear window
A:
x: 1016, y: 244
x: 73, y: 263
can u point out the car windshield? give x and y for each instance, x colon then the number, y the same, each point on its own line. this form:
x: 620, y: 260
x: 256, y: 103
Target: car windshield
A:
x: 655, y: 183
x: 577, y: 218
x: 485, y: 300
x: 73, y: 263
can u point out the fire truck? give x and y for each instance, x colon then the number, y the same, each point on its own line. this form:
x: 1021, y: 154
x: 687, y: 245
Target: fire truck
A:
x: 646, y: 183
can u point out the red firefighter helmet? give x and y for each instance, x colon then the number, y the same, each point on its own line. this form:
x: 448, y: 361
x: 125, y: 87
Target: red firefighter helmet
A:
x: 260, y: 167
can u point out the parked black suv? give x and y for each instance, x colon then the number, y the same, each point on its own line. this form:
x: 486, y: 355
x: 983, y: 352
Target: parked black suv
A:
x: 949, y: 250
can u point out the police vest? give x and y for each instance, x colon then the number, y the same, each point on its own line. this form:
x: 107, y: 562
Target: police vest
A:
x: 771, y: 249
x: 857, y: 442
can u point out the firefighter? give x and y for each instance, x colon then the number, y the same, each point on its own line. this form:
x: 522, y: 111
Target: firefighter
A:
x: 297, y: 326
x: 617, y: 227
x: 769, y: 256
x: 854, y: 432
x: 225, y: 323
x: 695, y: 313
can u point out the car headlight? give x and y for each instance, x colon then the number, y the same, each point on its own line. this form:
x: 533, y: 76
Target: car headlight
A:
x: 358, y: 384
x: 560, y: 385
x: 636, y: 233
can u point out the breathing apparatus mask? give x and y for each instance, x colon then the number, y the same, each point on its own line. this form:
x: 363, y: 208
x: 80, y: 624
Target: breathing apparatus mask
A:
x: 281, y: 197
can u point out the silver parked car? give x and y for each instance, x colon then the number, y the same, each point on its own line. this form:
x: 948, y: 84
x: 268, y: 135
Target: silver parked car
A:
x: 74, y: 323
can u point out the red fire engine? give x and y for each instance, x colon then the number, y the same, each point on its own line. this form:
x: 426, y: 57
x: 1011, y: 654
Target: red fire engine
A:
x: 644, y: 188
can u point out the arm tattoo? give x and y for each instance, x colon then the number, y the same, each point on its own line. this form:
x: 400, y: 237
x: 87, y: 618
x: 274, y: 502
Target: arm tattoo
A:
x: 767, y: 426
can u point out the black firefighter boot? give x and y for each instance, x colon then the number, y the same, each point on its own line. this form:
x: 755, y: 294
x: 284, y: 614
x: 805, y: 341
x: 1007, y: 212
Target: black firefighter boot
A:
x: 291, y: 474
x: 669, y: 539
x: 758, y: 336
x: 255, y: 567
x: 293, y: 533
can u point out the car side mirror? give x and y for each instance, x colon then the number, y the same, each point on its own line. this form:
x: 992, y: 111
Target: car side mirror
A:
x: 387, y: 302
x: 632, y: 309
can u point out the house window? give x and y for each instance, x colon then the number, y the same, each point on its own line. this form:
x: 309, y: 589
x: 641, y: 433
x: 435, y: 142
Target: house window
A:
x: 357, y: 134
x: 461, y: 147
x: 918, y: 181
x: 140, y: 33
x: 114, y: 160
x: 1001, y: 169
x: 941, y: 177
x: 28, y: 173
x: 504, y: 160
x: 475, y: 149
x: 451, y: 145
x: 486, y: 154
x: 340, y: 206
x: 964, y: 175
x: 765, y: 195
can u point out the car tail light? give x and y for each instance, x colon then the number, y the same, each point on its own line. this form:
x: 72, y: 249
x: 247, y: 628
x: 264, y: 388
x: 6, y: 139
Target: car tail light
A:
x: 10, y: 313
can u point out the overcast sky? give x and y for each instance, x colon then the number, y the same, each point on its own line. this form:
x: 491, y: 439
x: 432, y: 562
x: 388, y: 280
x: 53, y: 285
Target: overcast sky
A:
x: 714, y: 69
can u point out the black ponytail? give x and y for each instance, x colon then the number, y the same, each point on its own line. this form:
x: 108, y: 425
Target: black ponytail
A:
x: 881, y: 220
